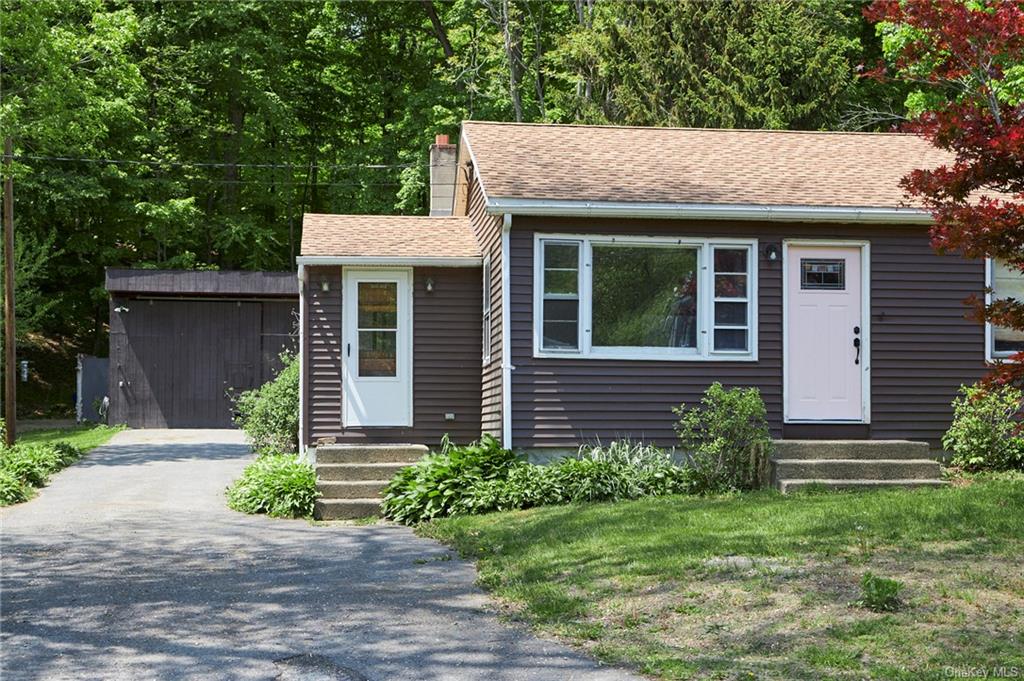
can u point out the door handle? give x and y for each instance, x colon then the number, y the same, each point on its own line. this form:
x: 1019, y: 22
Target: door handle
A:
x: 856, y: 344
x: 348, y: 349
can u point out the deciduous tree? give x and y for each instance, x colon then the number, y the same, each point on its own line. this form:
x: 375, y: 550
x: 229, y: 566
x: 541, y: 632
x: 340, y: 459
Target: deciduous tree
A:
x: 968, y: 61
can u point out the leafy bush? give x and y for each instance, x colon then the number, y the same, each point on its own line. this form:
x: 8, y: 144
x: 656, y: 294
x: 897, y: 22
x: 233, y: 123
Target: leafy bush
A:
x: 280, y: 485
x: 483, y: 478
x: 12, y: 489
x: 879, y: 593
x: 435, y: 485
x: 269, y: 415
x: 986, y: 432
x: 727, y: 439
x: 30, y: 465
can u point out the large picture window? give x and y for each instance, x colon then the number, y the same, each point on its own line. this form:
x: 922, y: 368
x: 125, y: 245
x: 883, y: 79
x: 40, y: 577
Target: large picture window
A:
x: 1006, y: 282
x: 645, y: 298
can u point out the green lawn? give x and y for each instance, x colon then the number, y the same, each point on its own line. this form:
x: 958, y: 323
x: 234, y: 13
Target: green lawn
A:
x: 84, y: 437
x: 761, y: 585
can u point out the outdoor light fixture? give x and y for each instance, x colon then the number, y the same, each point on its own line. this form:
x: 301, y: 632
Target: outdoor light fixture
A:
x: 325, y: 286
x: 771, y: 251
x: 430, y: 285
x: 120, y: 308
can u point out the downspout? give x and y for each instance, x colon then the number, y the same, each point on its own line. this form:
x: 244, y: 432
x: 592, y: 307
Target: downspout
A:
x: 506, y: 342
x: 302, y: 360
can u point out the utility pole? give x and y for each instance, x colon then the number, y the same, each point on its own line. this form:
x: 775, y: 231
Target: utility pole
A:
x: 10, y: 414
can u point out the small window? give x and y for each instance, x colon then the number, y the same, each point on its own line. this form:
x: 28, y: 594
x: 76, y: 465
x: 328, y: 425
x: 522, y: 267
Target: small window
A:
x: 1007, y: 282
x: 822, y: 275
x: 561, y: 295
x: 377, y: 322
x: 732, y: 303
x: 487, y: 310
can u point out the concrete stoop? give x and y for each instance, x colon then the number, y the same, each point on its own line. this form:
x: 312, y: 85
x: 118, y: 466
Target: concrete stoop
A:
x: 853, y: 464
x: 351, y: 477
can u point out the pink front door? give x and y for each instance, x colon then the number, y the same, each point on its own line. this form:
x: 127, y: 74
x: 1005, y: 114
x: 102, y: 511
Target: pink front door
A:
x: 824, y: 362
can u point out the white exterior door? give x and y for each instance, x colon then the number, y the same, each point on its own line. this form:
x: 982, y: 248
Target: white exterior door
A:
x: 377, y: 352
x: 825, y: 333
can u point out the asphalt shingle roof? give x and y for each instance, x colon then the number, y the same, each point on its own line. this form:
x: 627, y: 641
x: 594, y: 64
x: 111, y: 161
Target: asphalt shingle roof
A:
x: 696, y: 166
x: 388, y: 236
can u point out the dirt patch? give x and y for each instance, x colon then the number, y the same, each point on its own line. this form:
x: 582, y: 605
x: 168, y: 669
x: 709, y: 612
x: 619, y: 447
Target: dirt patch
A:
x: 795, y: 619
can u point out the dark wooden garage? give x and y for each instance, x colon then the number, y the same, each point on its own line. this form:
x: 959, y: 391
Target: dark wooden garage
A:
x: 183, y: 342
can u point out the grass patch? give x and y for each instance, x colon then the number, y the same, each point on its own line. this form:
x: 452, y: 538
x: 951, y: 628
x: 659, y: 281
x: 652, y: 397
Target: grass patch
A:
x: 761, y: 584
x: 84, y: 437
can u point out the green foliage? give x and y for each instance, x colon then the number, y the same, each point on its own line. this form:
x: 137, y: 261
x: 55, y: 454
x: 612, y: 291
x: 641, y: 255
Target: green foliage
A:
x: 269, y: 415
x: 28, y: 465
x: 280, y: 485
x: 726, y: 438
x: 483, y: 477
x: 435, y: 485
x: 879, y: 593
x: 13, y: 489
x: 719, y: 63
x: 986, y: 433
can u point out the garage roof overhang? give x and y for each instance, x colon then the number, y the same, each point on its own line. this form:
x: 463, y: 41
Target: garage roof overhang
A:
x: 207, y: 283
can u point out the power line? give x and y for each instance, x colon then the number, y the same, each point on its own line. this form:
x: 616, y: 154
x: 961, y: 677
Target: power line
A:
x: 202, y: 164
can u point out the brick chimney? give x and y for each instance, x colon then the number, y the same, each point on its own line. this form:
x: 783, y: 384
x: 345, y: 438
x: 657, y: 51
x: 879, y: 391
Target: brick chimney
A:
x: 442, y: 176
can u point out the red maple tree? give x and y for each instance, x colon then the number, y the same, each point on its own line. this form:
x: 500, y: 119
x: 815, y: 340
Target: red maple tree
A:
x: 971, y: 52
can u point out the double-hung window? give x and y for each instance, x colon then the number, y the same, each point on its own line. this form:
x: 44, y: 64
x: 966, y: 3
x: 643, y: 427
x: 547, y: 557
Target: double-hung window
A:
x: 560, y: 298
x: 1005, y: 282
x: 645, y: 298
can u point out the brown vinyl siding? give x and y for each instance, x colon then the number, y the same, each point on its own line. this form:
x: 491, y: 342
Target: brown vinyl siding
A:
x: 488, y: 232
x: 446, y: 358
x: 322, y: 353
x: 922, y: 347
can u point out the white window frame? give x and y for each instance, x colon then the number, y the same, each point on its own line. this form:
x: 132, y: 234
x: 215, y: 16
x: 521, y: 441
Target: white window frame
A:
x: 487, y: 313
x: 704, y: 351
x: 991, y: 356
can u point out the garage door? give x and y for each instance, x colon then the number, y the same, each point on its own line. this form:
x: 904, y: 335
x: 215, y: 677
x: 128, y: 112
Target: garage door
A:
x: 177, y: 363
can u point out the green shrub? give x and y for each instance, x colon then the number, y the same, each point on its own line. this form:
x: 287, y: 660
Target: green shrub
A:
x: 435, y: 486
x: 727, y: 440
x: 650, y: 469
x: 986, y: 432
x: 483, y: 477
x: 524, y: 486
x: 269, y: 415
x: 280, y: 485
x: 12, y: 489
x: 30, y: 465
x: 879, y: 593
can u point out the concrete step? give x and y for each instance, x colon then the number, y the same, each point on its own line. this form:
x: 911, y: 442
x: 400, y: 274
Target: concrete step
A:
x: 786, y: 486
x: 345, y: 509
x: 855, y: 469
x: 849, y: 449
x: 351, y: 489
x: 358, y: 471
x: 370, y: 453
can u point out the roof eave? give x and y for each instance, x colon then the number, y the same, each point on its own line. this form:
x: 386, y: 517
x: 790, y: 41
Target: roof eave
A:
x: 705, y: 211
x: 390, y: 261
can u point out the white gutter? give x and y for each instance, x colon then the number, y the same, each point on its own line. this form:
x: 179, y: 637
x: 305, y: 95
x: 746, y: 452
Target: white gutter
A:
x: 407, y: 261
x: 506, y: 339
x: 707, y: 211
x: 302, y: 359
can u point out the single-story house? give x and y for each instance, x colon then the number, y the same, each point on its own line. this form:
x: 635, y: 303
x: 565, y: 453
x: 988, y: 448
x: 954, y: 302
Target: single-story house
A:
x: 575, y: 283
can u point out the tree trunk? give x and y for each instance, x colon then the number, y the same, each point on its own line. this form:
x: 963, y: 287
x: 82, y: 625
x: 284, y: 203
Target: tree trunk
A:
x: 440, y: 32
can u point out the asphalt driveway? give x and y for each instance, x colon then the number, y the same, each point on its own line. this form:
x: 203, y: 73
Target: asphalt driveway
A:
x: 129, y: 566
